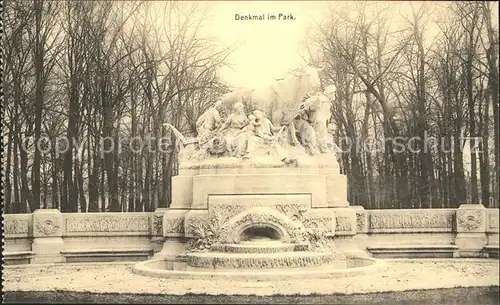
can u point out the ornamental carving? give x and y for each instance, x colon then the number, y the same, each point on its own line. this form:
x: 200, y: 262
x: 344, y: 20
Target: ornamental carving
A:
x: 193, y: 222
x: 469, y: 220
x: 16, y: 226
x: 316, y: 231
x: 157, y: 224
x: 231, y: 210
x: 217, y: 145
x: 207, y: 233
x: 108, y: 224
x: 323, y: 223
x: 494, y: 221
x: 411, y: 219
x: 292, y: 209
x: 261, y: 218
x: 343, y: 224
x: 174, y: 225
x: 360, y: 221
x: 47, y: 227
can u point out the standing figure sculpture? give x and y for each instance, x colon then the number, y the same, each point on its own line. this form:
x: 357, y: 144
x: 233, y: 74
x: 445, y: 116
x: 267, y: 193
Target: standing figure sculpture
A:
x: 306, y: 132
x: 318, y: 112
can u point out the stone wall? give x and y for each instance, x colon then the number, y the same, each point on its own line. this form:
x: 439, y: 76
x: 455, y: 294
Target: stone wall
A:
x: 51, y: 236
x: 407, y: 227
x: 469, y: 231
x: 17, y: 232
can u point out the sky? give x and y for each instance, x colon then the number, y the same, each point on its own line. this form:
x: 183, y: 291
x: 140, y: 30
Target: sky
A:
x: 266, y: 49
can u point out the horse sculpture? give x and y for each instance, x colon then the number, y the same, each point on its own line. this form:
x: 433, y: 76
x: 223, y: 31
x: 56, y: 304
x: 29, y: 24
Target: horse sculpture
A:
x: 281, y: 101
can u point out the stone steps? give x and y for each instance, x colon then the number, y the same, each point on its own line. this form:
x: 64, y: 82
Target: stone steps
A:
x: 226, y: 260
x: 260, y: 247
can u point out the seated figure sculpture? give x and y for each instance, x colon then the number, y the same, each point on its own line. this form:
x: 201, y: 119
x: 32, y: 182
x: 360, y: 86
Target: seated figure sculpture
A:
x: 264, y: 127
x: 269, y: 135
x: 240, y: 144
x: 232, y: 128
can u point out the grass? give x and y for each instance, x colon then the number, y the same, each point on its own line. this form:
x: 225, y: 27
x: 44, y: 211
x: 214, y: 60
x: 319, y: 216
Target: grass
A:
x: 455, y: 296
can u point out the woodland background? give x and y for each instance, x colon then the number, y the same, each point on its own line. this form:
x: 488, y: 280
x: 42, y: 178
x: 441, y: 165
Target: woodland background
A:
x: 88, y: 70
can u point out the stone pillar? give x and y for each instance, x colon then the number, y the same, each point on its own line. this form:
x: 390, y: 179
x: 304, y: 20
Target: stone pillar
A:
x: 471, y: 230
x: 345, y: 231
x: 362, y: 227
x: 157, y: 238
x: 173, y: 234
x: 47, y: 237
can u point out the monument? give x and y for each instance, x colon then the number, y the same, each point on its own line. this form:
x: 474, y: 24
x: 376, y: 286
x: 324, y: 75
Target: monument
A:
x: 259, y: 187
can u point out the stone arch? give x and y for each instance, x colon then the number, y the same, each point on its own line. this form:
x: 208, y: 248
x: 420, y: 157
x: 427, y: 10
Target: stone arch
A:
x: 274, y: 229
x: 260, y: 217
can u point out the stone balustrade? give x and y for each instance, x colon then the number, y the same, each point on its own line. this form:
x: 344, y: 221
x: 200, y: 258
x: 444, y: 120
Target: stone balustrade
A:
x: 469, y: 231
x: 48, y: 236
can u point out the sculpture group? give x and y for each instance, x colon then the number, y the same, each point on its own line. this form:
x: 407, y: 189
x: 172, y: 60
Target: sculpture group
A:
x: 284, y: 120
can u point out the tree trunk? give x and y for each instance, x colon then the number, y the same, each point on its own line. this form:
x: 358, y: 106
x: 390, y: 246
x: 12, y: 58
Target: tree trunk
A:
x: 104, y: 207
x: 45, y: 185
x: 8, y: 180
x: 26, y: 195
x: 81, y: 187
x: 470, y: 107
x: 484, y: 162
x: 17, y: 206
x: 458, y: 162
x: 55, y: 180
x: 493, y: 83
x: 94, y: 183
x: 38, y: 61
x: 110, y: 147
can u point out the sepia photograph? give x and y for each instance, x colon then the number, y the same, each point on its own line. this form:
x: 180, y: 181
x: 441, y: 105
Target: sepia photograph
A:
x: 250, y: 152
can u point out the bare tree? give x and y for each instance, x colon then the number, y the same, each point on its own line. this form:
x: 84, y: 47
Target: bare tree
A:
x: 413, y: 85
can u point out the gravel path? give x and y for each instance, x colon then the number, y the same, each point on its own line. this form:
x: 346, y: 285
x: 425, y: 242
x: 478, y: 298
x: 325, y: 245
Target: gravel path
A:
x: 400, y: 275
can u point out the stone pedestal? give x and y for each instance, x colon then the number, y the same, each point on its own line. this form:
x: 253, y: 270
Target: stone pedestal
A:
x: 173, y: 234
x: 471, y: 230
x: 229, y: 198
x: 47, y: 237
x: 172, y: 248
